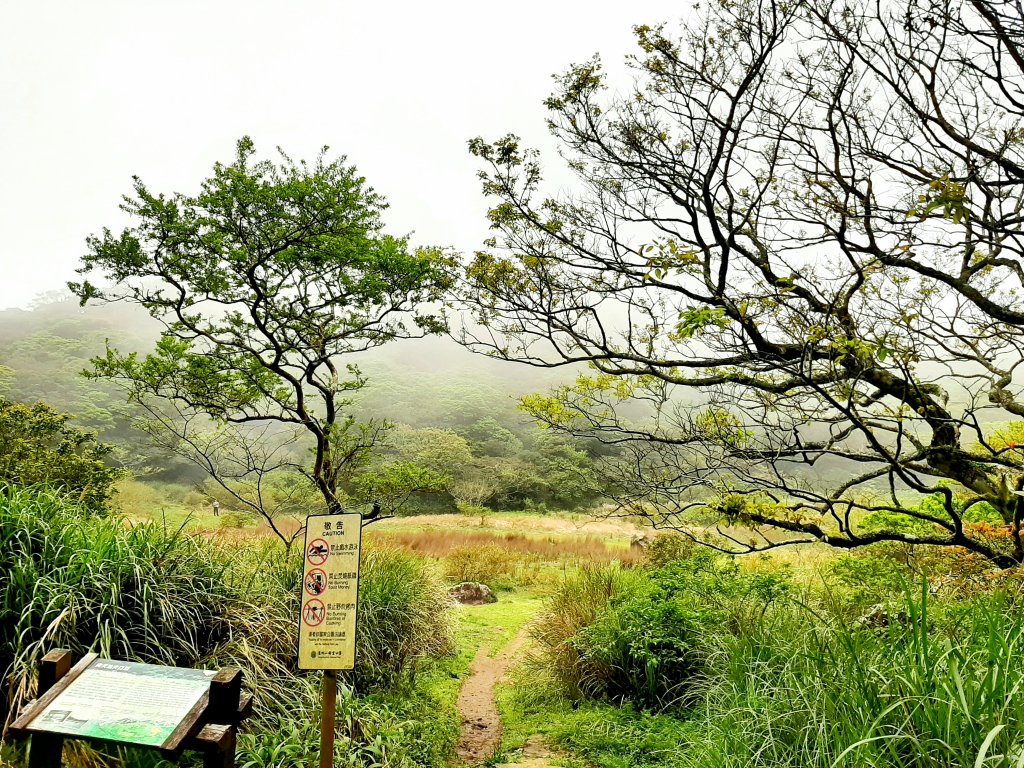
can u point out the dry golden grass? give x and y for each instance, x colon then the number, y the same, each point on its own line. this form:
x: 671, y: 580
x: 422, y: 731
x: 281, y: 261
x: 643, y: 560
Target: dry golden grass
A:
x: 806, y: 562
x: 578, y: 524
x: 440, y: 543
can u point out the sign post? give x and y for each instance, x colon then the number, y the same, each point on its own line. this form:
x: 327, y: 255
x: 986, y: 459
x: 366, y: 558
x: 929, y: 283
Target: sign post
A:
x: 327, y: 621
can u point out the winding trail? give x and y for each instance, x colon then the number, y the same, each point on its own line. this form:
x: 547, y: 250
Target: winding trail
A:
x: 481, y: 725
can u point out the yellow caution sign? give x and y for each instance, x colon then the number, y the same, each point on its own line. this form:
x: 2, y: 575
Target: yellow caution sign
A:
x: 330, y: 591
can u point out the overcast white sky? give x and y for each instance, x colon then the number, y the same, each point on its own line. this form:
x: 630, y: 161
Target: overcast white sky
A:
x: 94, y: 92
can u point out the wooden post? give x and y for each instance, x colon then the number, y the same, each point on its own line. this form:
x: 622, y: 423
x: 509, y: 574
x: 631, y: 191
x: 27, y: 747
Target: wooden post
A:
x: 46, y: 749
x: 222, y: 714
x: 225, y: 696
x: 329, y: 704
x: 52, y: 668
x: 219, y: 742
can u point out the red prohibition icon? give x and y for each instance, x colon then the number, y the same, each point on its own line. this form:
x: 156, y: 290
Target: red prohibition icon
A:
x: 317, y: 551
x: 313, y: 613
x: 316, y: 582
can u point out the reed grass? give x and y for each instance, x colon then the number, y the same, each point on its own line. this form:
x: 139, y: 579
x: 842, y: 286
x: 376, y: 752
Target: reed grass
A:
x: 550, y: 547
x: 94, y: 584
x: 807, y: 690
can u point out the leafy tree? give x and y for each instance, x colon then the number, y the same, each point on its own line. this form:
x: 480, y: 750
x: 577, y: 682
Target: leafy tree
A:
x: 423, y: 463
x: 564, y: 474
x: 489, y: 438
x: 439, y: 450
x: 389, y: 484
x: 797, y: 242
x: 39, y: 447
x: 263, y: 282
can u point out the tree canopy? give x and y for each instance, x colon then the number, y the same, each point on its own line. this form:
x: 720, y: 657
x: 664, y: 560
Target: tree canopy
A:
x: 39, y: 447
x: 797, y: 240
x: 263, y: 281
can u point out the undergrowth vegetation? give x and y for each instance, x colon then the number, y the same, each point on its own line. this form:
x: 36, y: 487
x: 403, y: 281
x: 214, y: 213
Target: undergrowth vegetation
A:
x: 91, y: 583
x: 644, y: 636
x: 145, y: 593
x: 676, y: 657
x: 551, y: 547
x: 694, y: 662
x: 507, y: 560
x: 403, y: 617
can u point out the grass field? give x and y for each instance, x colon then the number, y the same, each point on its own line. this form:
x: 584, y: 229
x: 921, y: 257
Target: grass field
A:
x: 783, y: 671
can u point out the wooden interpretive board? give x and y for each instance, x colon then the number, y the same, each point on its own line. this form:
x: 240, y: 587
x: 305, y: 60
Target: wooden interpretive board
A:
x: 330, y: 589
x: 124, y: 702
x: 170, y: 709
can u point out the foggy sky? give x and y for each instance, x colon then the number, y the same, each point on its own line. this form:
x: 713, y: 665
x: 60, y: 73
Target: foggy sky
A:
x: 93, y: 92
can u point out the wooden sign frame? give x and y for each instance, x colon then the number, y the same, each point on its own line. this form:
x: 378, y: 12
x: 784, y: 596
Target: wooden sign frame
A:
x: 210, y: 726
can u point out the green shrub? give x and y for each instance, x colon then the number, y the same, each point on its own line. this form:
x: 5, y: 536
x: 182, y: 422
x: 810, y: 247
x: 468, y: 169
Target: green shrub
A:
x: 479, y: 511
x: 577, y: 602
x: 881, y: 573
x: 666, y: 547
x: 869, y: 577
x: 651, y: 643
x: 717, y: 579
x: 642, y: 648
x: 645, y: 636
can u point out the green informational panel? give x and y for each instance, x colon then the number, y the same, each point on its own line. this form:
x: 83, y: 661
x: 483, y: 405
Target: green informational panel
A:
x: 125, y: 702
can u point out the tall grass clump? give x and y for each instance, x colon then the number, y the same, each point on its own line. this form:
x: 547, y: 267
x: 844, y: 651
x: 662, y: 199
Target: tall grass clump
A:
x: 91, y: 583
x: 572, y: 607
x: 807, y: 690
x: 287, y: 733
x: 404, y: 617
x: 493, y: 565
x: 404, y: 620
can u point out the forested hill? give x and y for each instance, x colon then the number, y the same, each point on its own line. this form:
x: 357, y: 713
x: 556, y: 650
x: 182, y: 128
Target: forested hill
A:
x: 462, y: 405
x: 43, y: 351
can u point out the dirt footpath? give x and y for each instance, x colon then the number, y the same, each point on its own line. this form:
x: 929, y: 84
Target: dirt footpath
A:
x: 481, y: 726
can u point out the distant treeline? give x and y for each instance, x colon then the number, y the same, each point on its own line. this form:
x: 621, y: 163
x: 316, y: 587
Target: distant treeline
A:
x: 455, y: 414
